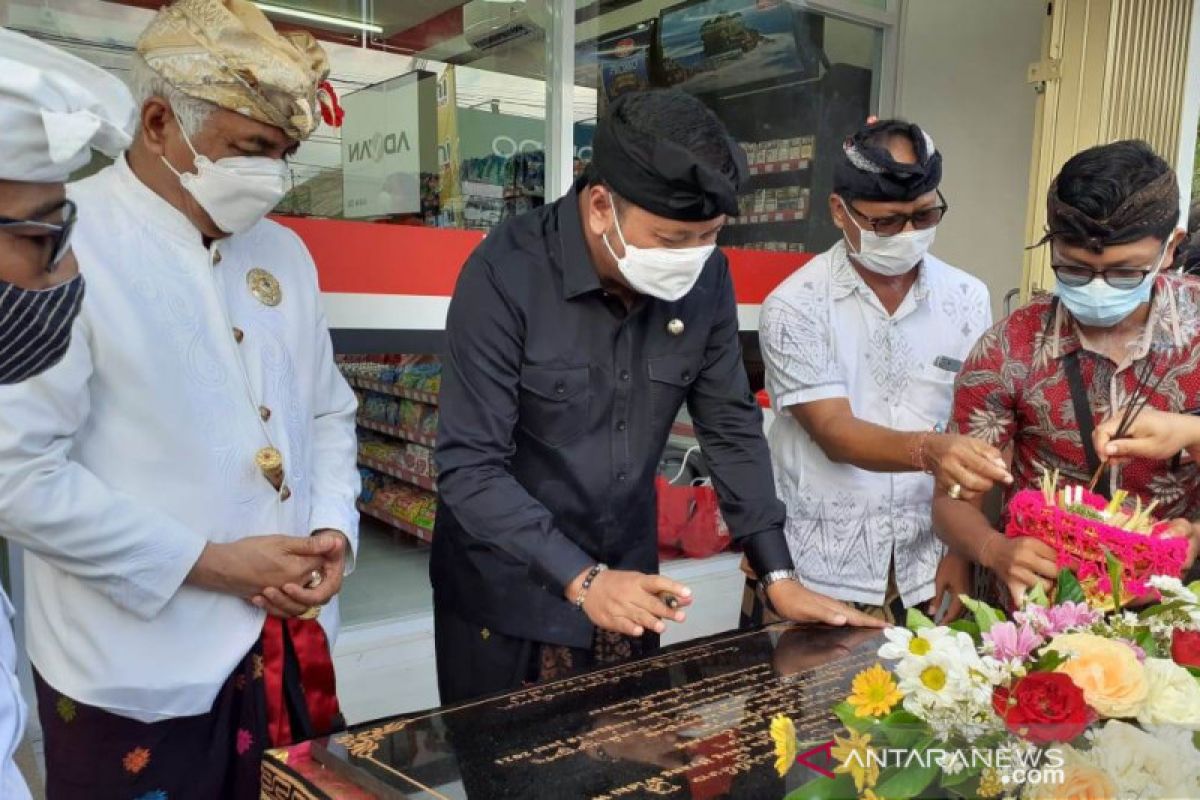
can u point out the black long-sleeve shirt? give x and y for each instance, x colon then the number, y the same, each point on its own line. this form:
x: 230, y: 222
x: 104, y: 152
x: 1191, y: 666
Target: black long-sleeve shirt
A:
x: 556, y: 404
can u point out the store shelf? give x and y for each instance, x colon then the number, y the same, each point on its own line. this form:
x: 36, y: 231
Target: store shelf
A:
x: 424, y: 534
x: 392, y: 389
x: 773, y: 167
x: 407, y: 434
x: 397, y: 472
x: 766, y: 217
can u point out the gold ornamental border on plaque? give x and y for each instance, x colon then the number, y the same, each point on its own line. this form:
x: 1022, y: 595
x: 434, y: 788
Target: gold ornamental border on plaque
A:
x: 277, y: 784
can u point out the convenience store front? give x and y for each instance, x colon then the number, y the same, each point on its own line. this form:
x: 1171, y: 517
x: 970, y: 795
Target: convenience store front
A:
x: 462, y: 114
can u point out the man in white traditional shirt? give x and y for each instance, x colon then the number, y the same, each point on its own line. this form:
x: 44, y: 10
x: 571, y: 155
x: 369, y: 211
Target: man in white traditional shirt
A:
x: 862, y: 346
x: 189, y: 467
x: 54, y: 108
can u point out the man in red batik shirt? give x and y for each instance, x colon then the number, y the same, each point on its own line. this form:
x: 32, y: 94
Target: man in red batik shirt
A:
x: 1115, y: 318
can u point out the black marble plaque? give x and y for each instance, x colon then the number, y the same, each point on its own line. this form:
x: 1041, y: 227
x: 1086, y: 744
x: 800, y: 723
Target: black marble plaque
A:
x: 689, y: 722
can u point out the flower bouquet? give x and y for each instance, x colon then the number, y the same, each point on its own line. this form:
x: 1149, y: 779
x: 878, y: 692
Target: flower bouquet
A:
x: 1082, y: 527
x: 1065, y: 700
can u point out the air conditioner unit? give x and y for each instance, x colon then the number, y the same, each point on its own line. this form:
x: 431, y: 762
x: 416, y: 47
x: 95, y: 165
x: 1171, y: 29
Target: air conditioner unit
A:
x: 488, y: 24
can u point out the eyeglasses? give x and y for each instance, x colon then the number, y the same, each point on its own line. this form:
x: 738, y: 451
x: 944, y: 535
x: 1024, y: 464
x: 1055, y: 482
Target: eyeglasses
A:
x: 1119, y: 278
x: 896, y: 223
x: 57, y: 233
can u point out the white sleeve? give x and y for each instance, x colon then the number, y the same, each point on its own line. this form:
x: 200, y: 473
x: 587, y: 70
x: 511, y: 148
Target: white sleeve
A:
x: 61, y: 511
x: 335, y: 479
x: 798, y: 352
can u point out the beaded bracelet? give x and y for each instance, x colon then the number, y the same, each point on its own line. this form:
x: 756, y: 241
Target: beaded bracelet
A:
x: 587, y: 584
x: 916, y: 452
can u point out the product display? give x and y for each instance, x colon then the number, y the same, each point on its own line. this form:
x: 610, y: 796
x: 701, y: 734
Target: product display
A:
x: 783, y: 153
x: 397, y: 420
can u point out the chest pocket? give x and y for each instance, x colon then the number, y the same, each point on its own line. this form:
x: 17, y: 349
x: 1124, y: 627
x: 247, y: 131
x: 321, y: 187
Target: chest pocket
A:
x: 554, y: 403
x: 929, y: 397
x: 670, y: 378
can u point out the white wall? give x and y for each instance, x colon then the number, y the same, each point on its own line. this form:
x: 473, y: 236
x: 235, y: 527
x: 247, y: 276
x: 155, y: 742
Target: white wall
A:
x: 962, y: 76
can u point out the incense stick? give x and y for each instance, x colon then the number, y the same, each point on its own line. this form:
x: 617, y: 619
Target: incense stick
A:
x: 1138, y: 401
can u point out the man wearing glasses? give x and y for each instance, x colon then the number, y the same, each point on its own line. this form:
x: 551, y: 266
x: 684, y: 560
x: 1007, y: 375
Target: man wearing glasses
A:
x: 54, y: 109
x: 861, y: 348
x: 1117, y: 325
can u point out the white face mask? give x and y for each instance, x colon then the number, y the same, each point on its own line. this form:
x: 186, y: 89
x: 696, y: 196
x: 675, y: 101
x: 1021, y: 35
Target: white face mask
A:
x: 236, y: 192
x: 890, y: 256
x: 667, y: 273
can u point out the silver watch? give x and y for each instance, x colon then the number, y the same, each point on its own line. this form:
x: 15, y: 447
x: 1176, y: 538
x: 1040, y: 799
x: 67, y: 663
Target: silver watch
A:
x: 778, y: 575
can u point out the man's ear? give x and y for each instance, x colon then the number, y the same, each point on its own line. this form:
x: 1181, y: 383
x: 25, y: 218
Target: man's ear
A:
x: 156, y: 116
x: 600, y: 209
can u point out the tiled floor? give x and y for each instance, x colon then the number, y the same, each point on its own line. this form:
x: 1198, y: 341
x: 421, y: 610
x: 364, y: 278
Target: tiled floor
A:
x: 390, y: 578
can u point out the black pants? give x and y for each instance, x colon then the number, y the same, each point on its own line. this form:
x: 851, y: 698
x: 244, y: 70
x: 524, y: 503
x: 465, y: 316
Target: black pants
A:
x: 474, y: 662
x: 92, y: 754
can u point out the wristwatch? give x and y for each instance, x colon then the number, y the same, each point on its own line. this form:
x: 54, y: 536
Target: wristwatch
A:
x: 776, y: 576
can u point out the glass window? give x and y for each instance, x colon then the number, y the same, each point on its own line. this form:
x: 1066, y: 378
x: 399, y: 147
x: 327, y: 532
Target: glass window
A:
x: 789, y: 84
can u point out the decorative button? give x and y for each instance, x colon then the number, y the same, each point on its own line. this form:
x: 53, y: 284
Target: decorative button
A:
x: 264, y: 286
x: 216, y: 257
x: 285, y: 494
x: 687, y: 376
x: 621, y: 477
x: 675, y: 327
x: 270, y: 462
x: 238, y: 335
x: 560, y: 388
x: 621, y: 425
x: 264, y: 412
x: 625, y: 375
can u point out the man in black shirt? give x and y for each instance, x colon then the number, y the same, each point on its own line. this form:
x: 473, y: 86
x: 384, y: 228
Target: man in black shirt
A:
x: 576, y: 333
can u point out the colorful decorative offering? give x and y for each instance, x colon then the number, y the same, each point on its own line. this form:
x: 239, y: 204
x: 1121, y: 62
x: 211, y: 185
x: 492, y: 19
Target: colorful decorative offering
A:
x: 1084, y: 528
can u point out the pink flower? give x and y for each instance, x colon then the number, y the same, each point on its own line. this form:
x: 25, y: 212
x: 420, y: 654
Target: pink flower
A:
x: 1010, y: 643
x: 1070, y: 616
x: 244, y: 741
x: 1034, y: 616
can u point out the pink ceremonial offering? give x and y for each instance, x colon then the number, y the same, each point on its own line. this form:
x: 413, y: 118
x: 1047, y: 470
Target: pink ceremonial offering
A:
x: 1082, y: 527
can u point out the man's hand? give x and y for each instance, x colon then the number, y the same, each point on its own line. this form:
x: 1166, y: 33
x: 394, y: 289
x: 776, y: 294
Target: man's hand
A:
x: 295, y: 598
x: 630, y: 602
x: 1152, y: 434
x: 245, y: 567
x: 1021, y: 563
x: 795, y: 602
x: 973, y: 465
x: 954, y: 578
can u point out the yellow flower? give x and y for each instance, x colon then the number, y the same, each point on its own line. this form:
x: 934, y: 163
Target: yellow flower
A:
x: 856, y: 759
x: 783, y: 733
x: 874, y: 692
x: 990, y: 784
x: 869, y: 794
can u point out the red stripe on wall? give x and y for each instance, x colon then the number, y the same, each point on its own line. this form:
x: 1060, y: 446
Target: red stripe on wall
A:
x: 369, y: 258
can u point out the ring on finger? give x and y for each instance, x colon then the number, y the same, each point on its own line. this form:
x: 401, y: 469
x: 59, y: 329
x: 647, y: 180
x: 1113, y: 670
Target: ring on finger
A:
x: 315, y: 579
x: 312, y: 612
x: 955, y: 492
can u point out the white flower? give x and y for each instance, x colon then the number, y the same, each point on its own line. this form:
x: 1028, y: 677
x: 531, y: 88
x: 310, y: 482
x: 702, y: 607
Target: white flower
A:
x: 903, y: 643
x: 1144, y: 764
x: 1172, y: 588
x: 1174, y: 697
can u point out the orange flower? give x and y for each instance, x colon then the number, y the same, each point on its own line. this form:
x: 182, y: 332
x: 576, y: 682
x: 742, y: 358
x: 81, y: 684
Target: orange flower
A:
x: 1112, y: 679
x: 136, y: 760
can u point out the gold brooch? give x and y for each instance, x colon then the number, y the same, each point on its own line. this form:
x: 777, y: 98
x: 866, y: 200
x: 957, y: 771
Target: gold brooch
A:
x: 270, y: 461
x: 264, y: 286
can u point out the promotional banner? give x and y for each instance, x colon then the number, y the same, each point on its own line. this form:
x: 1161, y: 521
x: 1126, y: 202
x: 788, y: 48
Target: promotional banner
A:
x: 389, y: 140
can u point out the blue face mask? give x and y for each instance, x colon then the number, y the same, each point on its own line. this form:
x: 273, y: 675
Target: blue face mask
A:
x: 1103, y: 306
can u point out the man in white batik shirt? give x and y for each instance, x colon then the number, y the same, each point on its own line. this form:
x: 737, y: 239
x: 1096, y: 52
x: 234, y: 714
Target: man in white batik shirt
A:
x: 185, y: 479
x: 862, y: 346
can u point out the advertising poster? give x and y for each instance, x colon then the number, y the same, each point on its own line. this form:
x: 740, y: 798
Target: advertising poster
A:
x: 623, y: 58
x: 388, y: 140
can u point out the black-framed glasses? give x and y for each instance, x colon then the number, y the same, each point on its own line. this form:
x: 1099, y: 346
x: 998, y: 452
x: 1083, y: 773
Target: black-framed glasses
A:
x: 58, y: 233
x: 1077, y: 275
x: 895, y: 223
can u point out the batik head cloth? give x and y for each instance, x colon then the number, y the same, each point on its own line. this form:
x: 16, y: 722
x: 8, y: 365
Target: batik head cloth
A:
x: 662, y: 177
x: 1143, y: 212
x: 867, y: 171
x: 54, y: 108
x: 226, y: 52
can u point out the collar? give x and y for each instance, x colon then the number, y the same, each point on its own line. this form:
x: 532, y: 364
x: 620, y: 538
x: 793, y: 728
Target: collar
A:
x: 152, y: 209
x: 847, y: 280
x: 1163, y: 331
x: 578, y: 271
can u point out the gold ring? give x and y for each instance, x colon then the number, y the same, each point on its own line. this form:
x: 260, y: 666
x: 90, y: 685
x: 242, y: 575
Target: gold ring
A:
x: 315, y: 579
x: 955, y: 492
x: 312, y: 613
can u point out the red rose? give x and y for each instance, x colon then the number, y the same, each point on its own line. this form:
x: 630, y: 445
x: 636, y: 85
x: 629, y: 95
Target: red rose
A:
x: 1043, y: 707
x: 1185, y: 647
